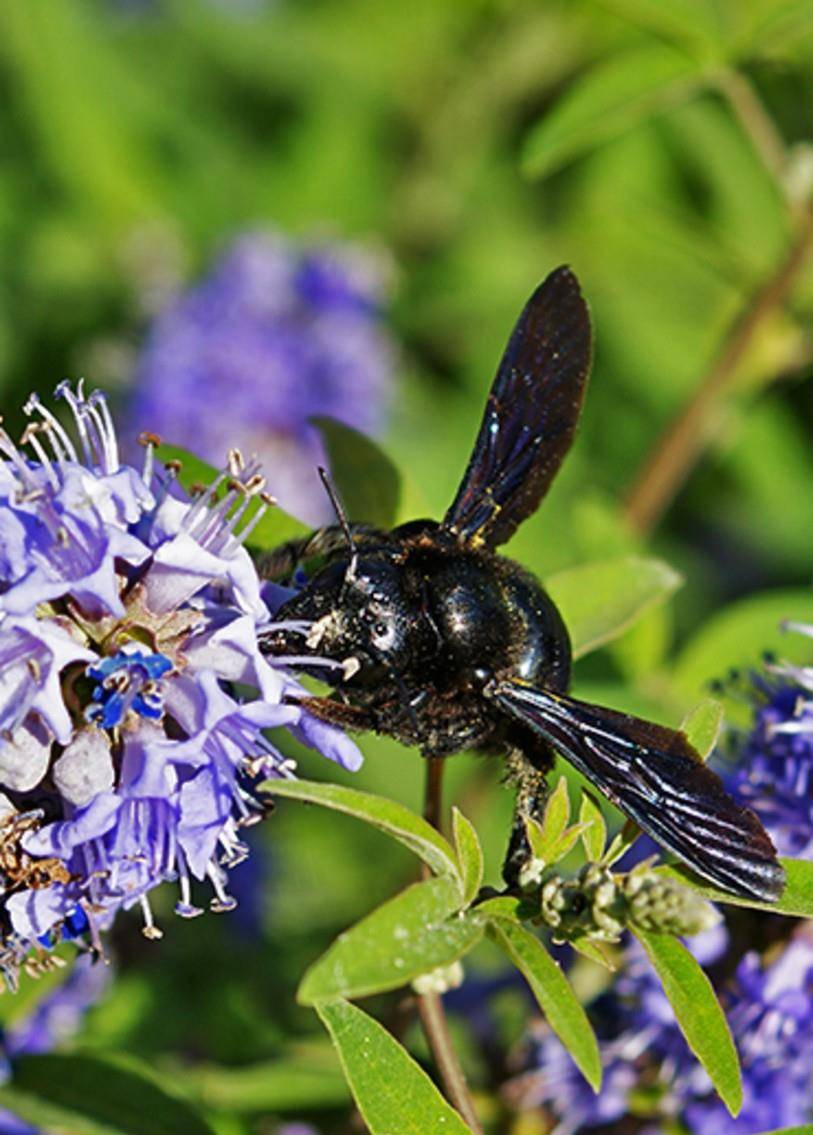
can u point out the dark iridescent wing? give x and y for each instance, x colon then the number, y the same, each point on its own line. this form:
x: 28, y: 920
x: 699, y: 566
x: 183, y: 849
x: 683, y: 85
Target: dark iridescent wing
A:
x: 654, y: 776
x: 531, y: 415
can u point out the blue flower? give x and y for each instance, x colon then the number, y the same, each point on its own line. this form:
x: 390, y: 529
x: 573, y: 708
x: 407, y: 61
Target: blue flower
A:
x: 770, y: 1010
x: 127, y: 615
x: 648, y: 1069
x: 273, y: 335
x: 773, y: 772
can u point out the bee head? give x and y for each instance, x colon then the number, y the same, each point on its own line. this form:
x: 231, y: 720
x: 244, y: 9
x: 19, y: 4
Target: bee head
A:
x: 359, y: 617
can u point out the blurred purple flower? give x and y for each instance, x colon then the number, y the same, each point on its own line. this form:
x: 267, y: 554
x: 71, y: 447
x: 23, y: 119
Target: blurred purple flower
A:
x: 54, y: 1019
x: 126, y: 613
x: 59, y: 1015
x: 272, y: 336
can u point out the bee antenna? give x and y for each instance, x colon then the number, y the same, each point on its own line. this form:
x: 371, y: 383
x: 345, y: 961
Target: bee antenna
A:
x: 341, y: 515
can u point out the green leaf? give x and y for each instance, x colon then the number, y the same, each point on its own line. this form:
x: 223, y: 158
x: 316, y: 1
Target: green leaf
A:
x: 738, y: 635
x: 469, y: 854
x: 553, y: 991
x: 702, y: 726
x: 777, y: 23
x: 394, y: 1095
x: 694, y: 23
x: 597, y: 952
x: 308, y: 1080
x: 796, y: 899
x: 621, y: 842
x: 594, y: 837
x: 805, y: 1129
x: 507, y: 906
x: 599, y: 601
x: 551, y: 839
x: 97, y: 1095
x: 390, y: 817
x: 554, y: 819
x: 417, y: 931
x: 274, y: 528
x: 368, y: 482
x: 609, y: 100
x: 698, y: 1013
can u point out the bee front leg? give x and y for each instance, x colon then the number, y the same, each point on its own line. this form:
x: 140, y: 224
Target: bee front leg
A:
x: 340, y: 713
x: 527, y: 768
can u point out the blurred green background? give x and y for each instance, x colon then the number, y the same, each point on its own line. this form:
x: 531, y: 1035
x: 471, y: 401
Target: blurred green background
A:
x: 664, y: 151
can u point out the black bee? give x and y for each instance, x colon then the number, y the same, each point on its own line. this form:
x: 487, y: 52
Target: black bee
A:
x: 442, y: 643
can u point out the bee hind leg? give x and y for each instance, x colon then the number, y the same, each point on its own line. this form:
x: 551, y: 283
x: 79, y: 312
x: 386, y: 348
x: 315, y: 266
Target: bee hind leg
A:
x: 527, y: 767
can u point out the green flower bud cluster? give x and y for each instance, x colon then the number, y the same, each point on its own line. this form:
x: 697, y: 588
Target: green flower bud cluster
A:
x: 600, y: 904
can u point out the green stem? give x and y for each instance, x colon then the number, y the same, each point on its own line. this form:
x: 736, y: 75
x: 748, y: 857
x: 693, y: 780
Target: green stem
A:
x: 756, y: 122
x: 430, y: 1005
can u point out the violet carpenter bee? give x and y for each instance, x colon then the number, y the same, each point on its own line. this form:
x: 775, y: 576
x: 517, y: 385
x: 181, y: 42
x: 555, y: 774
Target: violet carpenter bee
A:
x: 443, y: 643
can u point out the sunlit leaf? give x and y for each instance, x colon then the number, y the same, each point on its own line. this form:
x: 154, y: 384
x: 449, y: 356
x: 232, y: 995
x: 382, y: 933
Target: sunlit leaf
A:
x: 387, y: 815
x: 599, y: 601
x: 556, y: 814
x: 621, y: 842
x: 391, y: 1091
x: 550, y: 838
x: 368, y: 482
x: 97, y: 1095
x: 413, y: 933
x: 702, y: 726
x: 553, y: 991
x: 597, y: 952
x: 698, y: 1013
x: 469, y: 853
x: 594, y: 837
x: 608, y: 100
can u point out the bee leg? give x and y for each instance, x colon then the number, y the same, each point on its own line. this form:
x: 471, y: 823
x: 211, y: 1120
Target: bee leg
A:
x: 339, y: 713
x: 527, y: 768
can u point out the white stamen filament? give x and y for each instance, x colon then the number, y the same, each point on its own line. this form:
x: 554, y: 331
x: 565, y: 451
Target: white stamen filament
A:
x: 11, y: 451
x: 63, y: 447
x: 222, y: 901
x: 149, y: 459
x: 98, y: 404
x: 76, y: 401
x: 149, y: 929
x: 30, y: 438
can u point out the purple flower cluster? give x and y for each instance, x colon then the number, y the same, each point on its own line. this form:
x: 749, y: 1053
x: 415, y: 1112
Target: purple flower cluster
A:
x: 127, y: 614
x: 774, y: 767
x: 273, y: 335
x: 649, y: 1071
